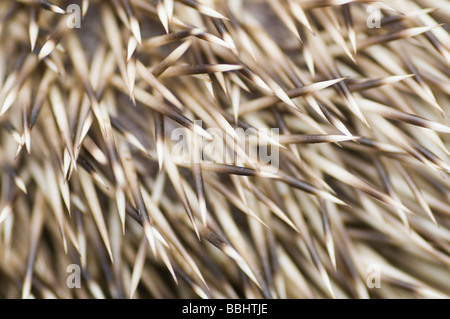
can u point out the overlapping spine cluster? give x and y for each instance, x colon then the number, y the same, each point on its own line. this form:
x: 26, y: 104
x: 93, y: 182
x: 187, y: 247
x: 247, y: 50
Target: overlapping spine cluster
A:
x: 356, y: 207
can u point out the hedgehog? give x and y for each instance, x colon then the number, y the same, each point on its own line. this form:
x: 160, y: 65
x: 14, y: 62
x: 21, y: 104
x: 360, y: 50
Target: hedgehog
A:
x: 239, y: 149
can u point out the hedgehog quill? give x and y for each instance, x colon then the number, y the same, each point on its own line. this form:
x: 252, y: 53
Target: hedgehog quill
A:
x: 132, y: 135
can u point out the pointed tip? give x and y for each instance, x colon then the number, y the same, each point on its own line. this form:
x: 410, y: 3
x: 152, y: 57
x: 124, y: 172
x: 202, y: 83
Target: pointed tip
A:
x: 136, y: 30
x: 46, y: 49
x: 163, y: 16
x: 84, y: 7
